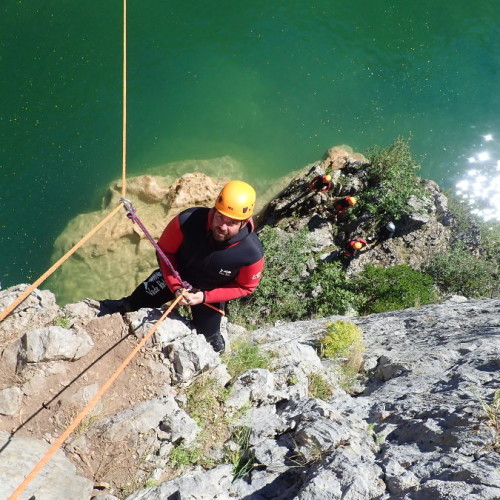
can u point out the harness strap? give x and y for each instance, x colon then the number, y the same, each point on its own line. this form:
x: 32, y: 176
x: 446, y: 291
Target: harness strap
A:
x: 132, y: 214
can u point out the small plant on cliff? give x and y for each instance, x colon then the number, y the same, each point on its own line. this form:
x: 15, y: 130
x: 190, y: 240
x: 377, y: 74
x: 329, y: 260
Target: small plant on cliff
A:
x: 244, y: 356
x: 239, y: 453
x: 63, y: 321
x: 492, y: 411
x: 393, y: 288
x: 339, y: 340
x: 344, y: 339
x: 319, y: 387
x: 392, y: 181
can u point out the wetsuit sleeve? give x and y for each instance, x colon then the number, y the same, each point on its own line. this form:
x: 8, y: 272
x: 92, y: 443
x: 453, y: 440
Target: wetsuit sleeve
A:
x: 246, y: 282
x: 170, y: 242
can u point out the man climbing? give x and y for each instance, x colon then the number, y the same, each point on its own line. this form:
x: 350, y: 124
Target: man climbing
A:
x: 215, y: 250
x: 321, y: 183
x: 387, y: 231
x: 341, y: 205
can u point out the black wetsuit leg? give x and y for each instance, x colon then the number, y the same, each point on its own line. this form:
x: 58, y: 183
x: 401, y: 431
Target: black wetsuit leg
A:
x: 152, y: 292
x: 207, y: 322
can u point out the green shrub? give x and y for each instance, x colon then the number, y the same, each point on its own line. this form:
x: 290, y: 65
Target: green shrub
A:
x: 319, y: 387
x: 245, y: 356
x: 392, y: 180
x: 331, y: 291
x: 339, y: 339
x: 458, y: 272
x: 182, y: 456
x: 468, y: 226
x: 280, y: 292
x: 392, y: 288
x: 63, y: 321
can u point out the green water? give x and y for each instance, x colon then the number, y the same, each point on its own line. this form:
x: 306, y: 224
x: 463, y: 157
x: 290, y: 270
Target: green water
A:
x: 271, y: 84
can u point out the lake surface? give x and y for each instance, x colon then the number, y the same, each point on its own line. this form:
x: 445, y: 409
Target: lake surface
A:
x: 273, y: 85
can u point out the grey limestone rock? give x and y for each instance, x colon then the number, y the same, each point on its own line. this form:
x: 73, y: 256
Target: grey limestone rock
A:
x: 18, y: 457
x: 54, y: 343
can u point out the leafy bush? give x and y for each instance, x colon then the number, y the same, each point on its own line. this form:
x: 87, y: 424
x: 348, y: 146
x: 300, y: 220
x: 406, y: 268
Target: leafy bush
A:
x: 331, y: 291
x: 279, y: 292
x: 244, y: 356
x: 392, y: 288
x: 339, y: 339
x: 392, y: 180
x: 459, y: 272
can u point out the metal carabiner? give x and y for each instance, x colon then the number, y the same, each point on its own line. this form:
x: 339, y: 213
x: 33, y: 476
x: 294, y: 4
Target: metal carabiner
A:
x: 127, y: 205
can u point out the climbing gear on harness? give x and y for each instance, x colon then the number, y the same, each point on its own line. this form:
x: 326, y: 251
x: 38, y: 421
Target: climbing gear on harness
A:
x: 236, y: 200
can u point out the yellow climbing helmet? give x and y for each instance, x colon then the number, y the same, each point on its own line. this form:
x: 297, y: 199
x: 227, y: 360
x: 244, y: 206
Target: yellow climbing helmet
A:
x: 351, y: 200
x: 236, y: 200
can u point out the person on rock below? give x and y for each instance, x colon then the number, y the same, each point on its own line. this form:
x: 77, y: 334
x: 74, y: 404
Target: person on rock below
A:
x: 321, y: 183
x: 215, y: 250
x: 355, y: 247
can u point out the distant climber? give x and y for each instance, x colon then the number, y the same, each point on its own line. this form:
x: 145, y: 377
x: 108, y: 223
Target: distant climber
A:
x: 343, y: 204
x: 355, y: 247
x: 321, y: 183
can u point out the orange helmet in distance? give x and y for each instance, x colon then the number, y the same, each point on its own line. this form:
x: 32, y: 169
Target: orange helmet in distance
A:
x: 351, y: 200
x: 357, y: 245
x: 236, y: 200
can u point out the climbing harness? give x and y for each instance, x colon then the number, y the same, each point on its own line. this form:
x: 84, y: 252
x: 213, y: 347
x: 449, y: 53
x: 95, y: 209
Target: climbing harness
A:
x: 132, y: 214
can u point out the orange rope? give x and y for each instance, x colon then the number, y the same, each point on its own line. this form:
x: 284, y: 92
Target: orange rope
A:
x: 55, y: 446
x: 124, y: 125
x: 65, y: 257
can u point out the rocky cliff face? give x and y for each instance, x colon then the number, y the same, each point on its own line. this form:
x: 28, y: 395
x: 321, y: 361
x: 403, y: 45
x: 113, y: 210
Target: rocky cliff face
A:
x: 419, y: 235
x: 414, y: 425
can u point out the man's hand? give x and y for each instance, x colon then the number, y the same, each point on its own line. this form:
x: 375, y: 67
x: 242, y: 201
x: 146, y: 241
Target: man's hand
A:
x: 189, y: 298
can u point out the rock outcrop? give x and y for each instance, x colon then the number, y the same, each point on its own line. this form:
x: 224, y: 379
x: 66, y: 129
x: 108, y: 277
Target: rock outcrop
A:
x: 97, y: 268
x: 420, y: 235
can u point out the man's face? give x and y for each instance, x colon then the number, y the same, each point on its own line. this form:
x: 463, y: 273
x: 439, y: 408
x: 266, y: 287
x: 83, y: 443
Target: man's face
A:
x: 224, y: 227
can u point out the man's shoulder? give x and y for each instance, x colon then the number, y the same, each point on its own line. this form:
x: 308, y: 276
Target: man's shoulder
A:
x: 253, y: 244
x: 193, y: 214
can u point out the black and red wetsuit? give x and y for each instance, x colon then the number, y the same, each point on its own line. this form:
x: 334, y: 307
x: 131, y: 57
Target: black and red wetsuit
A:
x: 351, y: 250
x: 222, y: 270
x: 320, y: 184
x: 342, y: 205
